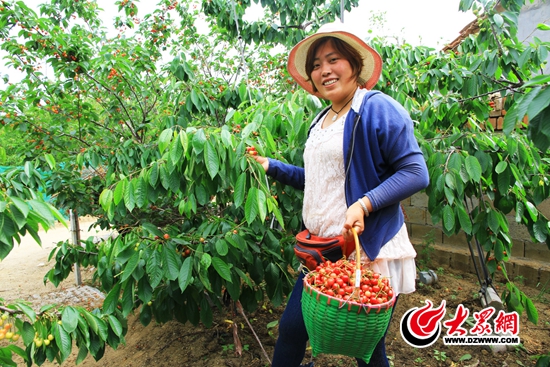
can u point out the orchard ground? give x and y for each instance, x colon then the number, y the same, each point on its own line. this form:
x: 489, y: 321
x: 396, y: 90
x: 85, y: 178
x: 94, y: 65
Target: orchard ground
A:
x: 174, y: 344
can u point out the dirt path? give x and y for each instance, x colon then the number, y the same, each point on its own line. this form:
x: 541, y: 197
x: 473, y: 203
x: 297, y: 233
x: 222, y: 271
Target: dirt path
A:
x: 24, y: 268
x: 173, y: 344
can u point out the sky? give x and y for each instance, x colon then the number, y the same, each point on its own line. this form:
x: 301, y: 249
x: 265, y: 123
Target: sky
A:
x: 430, y: 23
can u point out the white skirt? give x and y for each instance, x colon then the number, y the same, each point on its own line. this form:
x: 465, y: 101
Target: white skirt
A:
x: 395, y: 261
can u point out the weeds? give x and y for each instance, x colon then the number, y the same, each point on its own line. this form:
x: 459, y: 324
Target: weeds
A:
x: 271, y: 327
x: 440, y: 356
x: 542, y: 296
x: 519, y: 279
x: 427, y: 249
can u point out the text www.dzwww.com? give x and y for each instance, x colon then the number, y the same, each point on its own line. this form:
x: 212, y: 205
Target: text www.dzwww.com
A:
x: 480, y: 340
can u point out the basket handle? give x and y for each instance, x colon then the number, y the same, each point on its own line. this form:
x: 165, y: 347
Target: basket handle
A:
x: 357, y: 259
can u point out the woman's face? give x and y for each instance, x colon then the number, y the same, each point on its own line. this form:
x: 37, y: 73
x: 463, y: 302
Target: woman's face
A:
x: 332, y: 74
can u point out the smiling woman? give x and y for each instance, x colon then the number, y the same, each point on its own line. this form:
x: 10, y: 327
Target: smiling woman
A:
x: 362, y: 158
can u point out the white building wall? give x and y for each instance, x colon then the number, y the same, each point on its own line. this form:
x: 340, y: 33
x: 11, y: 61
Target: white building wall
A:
x: 531, y: 15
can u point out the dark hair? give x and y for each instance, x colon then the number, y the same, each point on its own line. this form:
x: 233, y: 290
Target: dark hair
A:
x: 345, y: 49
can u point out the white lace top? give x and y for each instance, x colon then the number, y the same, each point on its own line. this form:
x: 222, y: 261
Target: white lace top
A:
x: 324, y: 207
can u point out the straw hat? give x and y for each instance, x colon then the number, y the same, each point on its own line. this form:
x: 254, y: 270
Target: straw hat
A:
x: 372, y: 62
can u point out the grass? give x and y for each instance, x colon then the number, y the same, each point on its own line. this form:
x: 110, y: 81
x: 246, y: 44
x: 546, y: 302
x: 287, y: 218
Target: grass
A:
x: 424, y: 259
x: 542, y: 296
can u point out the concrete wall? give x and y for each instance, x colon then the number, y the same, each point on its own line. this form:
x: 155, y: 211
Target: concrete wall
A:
x: 529, y: 260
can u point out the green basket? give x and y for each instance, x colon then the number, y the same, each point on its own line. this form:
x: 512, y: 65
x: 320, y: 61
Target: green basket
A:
x: 347, y: 328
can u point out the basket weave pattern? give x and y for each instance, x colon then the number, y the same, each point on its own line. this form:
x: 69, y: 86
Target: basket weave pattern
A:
x: 335, y: 326
x: 345, y: 328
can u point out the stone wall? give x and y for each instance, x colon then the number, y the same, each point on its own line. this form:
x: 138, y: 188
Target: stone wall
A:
x: 530, y: 261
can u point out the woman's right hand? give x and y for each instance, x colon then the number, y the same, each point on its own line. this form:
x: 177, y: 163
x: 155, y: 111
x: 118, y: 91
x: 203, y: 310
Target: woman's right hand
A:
x: 261, y: 160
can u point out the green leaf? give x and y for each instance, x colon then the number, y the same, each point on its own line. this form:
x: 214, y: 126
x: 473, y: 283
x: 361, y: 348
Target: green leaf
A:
x: 63, y: 341
x: 152, y: 229
x: 222, y: 268
x: 501, y: 166
x: 199, y: 139
x: 184, y: 141
x: 90, y: 320
x: 50, y: 160
x: 262, y: 210
x: 154, y: 269
x: 537, y: 80
x: 154, y: 174
x: 211, y: 159
x: 29, y: 168
x: 116, y: 326
x: 111, y: 301
x: 195, y: 99
x: 532, y: 313
x: 176, y: 151
x: 27, y: 332
x: 473, y: 168
x: 448, y: 218
x: 205, y: 261
x: 103, y: 329
x: 171, y: 260
x: 27, y: 310
x: 499, y: 21
x: 464, y: 220
x: 185, y: 274
x: 164, y: 140
x: 119, y: 191
x: 43, y: 210
x: 234, y: 287
x: 106, y: 199
x: 140, y: 191
x: 503, y: 181
x: 492, y: 221
x: 540, y: 230
x: 131, y: 265
x: 450, y: 181
x: 532, y: 209
x: 69, y: 318
x: 240, y: 190
x: 128, y: 300
x: 129, y: 199
x: 251, y: 205
x: 14, y: 349
x: 221, y: 247
x: 539, y: 103
x: 539, y: 129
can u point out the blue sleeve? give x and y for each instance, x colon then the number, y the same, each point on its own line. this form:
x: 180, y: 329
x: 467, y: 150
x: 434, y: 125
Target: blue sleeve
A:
x: 399, y: 149
x: 411, y: 176
x: 287, y: 174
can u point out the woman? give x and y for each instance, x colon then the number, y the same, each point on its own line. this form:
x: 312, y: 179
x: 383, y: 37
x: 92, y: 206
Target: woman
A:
x: 360, y: 160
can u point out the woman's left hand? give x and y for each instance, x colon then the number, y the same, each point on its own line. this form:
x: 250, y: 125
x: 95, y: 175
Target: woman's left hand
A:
x: 355, y: 217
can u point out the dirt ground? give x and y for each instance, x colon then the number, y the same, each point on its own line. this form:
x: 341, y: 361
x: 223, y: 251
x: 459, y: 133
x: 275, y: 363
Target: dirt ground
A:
x: 174, y: 344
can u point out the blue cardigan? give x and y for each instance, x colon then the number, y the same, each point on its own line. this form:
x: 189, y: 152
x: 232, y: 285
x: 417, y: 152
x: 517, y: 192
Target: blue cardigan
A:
x: 383, y: 162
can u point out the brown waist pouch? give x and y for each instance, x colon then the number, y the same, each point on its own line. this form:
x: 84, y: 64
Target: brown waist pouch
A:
x: 312, y: 250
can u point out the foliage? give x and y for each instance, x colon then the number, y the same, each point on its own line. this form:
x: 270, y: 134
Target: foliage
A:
x: 146, y: 130
x: 479, y: 176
